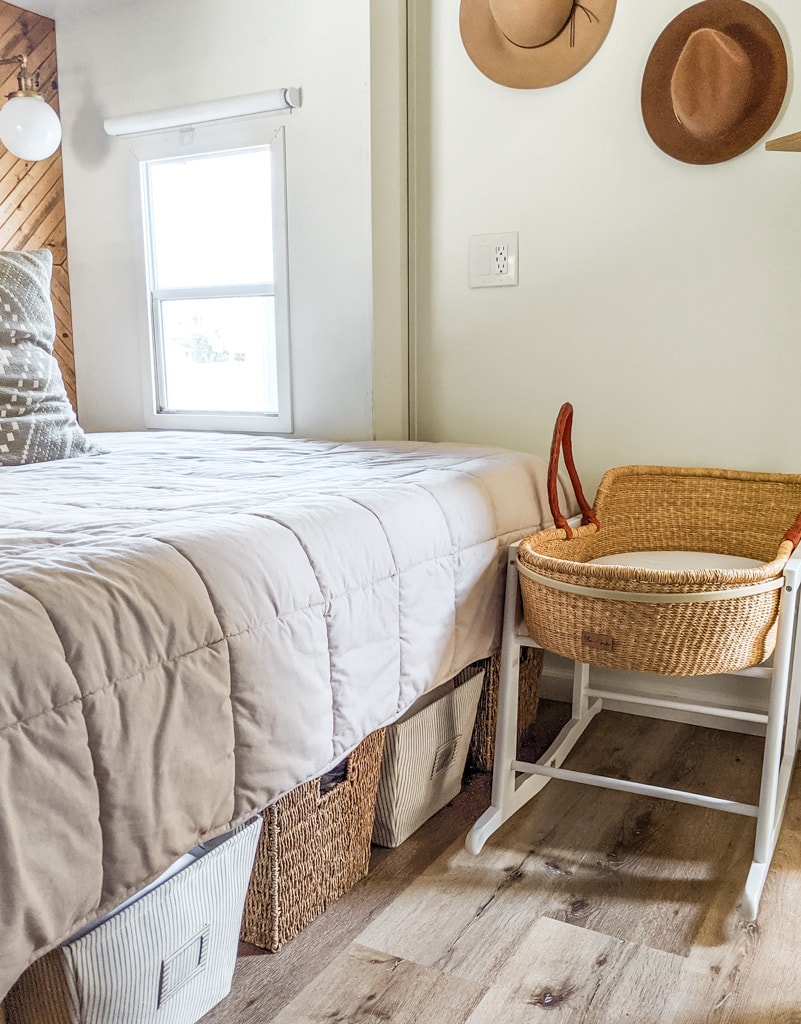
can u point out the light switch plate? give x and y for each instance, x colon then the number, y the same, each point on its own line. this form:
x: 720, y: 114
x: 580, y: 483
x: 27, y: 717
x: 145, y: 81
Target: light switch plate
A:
x: 493, y: 260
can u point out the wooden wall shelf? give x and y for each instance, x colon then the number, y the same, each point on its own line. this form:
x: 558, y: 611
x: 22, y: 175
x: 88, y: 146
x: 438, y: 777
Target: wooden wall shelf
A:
x: 786, y: 144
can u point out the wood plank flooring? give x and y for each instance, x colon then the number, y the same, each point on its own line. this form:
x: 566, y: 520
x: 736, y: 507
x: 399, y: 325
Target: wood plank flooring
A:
x: 588, y: 906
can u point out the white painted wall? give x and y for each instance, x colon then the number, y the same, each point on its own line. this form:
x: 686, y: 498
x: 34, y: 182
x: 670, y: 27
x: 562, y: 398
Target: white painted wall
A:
x: 388, y: 55
x: 123, y: 58
x: 660, y: 298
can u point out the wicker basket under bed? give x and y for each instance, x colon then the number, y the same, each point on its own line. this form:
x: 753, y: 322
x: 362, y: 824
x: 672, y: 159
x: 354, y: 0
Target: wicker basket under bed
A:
x: 482, y: 743
x: 635, y: 618
x: 313, y: 849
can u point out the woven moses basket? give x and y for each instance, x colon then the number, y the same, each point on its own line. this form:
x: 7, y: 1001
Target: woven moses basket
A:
x: 671, y: 621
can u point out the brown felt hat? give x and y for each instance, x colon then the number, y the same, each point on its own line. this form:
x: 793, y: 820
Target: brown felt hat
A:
x: 714, y: 82
x: 528, y: 44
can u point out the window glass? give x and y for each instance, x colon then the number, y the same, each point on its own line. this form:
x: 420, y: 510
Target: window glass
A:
x: 210, y: 216
x: 215, y: 234
x: 219, y: 354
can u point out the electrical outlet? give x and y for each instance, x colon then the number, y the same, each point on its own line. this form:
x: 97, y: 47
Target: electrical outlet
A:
x: 493, y: 260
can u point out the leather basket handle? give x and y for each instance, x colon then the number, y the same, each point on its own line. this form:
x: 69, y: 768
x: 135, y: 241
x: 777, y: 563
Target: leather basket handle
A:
x: 563, y: 442
x: 794, y: 533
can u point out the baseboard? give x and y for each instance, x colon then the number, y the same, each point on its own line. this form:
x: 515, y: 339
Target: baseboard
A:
x: 742, y: 693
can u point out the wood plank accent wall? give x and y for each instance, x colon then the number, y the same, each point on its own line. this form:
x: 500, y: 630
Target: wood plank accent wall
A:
x: 32, y: 193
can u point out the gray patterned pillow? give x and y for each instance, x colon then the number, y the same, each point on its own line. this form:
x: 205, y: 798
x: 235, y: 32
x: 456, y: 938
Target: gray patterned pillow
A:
x: 37, y: 422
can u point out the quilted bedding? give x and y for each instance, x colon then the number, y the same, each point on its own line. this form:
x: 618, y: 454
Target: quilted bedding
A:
x: 193, y: 624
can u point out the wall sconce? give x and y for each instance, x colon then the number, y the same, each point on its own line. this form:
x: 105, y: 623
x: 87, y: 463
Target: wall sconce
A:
x: 29, y: 127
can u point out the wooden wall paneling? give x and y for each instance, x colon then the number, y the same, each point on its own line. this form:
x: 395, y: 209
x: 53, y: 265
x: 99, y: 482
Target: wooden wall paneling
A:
x: 34, y: 195
x: 20, y: 32
x: 63, y: 314
x: 32, y: 214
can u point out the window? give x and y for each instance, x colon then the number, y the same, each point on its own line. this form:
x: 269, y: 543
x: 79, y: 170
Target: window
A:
x: 215, y: 241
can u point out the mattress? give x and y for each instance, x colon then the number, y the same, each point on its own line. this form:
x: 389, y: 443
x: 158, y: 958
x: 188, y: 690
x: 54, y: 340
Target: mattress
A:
x: 193, y: 624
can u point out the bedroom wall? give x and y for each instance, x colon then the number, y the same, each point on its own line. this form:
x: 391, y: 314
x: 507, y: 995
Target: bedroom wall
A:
x: 118, y: 58
x: 660, y: 298
x: 32, y: 193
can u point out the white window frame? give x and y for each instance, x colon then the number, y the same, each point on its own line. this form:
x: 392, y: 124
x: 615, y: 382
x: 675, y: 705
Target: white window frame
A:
x: 200, y: 141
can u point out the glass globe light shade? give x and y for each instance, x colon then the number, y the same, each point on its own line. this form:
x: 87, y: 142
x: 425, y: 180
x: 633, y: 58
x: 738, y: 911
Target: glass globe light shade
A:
x: 29, y: 128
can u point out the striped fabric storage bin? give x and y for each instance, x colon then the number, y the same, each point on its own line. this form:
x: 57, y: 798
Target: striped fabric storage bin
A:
x: 425, y: 753
x: 168, y: 957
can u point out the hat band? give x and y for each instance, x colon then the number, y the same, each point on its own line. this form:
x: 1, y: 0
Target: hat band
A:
x: 571, y: 21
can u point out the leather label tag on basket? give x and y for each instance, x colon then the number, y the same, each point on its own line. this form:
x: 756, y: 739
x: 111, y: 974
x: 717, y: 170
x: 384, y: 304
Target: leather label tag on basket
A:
x: 597, y: 641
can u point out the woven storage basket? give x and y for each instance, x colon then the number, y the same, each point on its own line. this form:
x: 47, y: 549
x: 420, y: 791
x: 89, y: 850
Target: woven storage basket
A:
x: 482, y: 743
x: 313, y: 849
x: 674, y: 622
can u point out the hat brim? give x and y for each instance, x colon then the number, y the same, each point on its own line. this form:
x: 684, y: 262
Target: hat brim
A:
x: 758, y: 36
x: 532, y: 68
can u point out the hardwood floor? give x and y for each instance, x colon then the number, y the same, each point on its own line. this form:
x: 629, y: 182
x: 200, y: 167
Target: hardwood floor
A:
x: 588, y: 906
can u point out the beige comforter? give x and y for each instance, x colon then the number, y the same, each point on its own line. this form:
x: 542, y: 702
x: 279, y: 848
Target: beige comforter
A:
x: 193, y: 624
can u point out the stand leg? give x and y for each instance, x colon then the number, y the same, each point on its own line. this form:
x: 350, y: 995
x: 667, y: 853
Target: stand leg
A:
x: 503, y: 775
x: 509, y: 795
x: 581, y: 682
x: 780, y: 747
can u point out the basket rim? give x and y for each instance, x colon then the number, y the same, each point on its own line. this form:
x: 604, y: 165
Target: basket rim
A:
x: 747, y: 476
x: 610, y: 576
x: 670, y: 596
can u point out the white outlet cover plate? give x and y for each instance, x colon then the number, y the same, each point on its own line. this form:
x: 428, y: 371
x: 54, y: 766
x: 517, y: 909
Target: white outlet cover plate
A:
x: 482, y: 260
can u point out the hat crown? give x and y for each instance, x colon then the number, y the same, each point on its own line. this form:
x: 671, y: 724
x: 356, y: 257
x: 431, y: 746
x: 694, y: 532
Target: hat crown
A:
x: 712, y: 83
x: 531, y: 23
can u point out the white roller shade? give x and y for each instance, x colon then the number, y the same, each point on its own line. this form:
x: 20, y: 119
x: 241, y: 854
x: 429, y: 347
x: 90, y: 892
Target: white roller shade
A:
x: 203, y: 113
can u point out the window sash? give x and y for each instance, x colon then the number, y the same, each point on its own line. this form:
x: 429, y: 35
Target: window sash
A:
x: 248, y: 136
x: 223, y: 291
x: 265, y: 417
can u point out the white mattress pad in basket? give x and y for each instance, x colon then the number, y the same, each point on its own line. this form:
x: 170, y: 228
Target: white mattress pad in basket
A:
x: 686, y: 561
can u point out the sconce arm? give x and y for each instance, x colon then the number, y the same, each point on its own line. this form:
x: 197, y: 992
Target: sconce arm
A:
x: 28, y: 83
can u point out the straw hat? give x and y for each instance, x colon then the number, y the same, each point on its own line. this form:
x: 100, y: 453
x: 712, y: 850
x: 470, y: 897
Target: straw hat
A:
x: 528, y: 44
x: 714, y: 82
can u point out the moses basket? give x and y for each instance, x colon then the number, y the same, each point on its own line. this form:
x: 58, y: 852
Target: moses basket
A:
x: 675, y: 621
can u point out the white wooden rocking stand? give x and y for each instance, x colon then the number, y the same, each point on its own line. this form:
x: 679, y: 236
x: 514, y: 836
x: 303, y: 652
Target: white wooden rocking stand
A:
x: 515, y: 782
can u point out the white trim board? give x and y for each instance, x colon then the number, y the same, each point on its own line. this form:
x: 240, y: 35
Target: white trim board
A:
x: 743, y: 693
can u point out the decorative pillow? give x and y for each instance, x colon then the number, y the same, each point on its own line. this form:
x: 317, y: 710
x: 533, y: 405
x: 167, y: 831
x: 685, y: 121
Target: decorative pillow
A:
x: 37, y: 422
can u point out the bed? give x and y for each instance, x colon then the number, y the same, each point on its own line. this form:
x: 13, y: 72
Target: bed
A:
x: 193, y: 624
